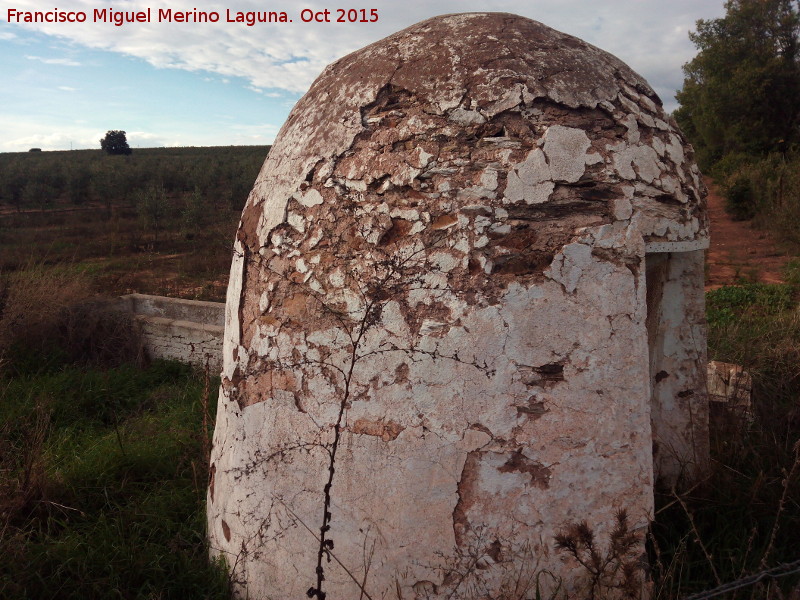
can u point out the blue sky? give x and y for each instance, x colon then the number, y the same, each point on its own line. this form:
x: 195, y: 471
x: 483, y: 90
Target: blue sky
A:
x: 201, y: 84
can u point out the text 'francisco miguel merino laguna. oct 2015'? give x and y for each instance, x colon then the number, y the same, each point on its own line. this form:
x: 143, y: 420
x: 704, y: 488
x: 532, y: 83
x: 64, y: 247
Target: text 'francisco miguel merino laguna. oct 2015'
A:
x: 168, y: 15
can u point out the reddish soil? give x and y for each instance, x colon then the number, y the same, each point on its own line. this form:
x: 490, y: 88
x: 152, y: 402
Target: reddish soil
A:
x: 738, y: 251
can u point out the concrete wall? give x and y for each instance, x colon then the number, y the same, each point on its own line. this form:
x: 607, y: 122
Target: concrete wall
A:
x: 186, y: 330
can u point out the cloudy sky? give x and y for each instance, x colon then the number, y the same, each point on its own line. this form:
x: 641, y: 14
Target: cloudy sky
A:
x: 200, y: 84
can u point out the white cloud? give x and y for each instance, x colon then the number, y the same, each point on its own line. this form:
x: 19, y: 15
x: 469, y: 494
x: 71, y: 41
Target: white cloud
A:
x: 145, y: 139
x: 63, y: 62
x: 66, y: 88
x: 20, y: 135
x: 648, y: 34
x: 280, y: 60
x: 239, y: 135
x: 263, y: 92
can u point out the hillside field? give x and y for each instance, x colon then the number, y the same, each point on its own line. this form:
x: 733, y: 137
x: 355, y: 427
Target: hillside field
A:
x: 159, y: 221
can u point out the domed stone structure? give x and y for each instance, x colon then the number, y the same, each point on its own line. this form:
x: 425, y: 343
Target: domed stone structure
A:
x: 465, y: 310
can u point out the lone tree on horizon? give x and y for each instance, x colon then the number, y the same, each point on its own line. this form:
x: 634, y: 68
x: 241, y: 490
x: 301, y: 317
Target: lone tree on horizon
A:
x: 115, y: 142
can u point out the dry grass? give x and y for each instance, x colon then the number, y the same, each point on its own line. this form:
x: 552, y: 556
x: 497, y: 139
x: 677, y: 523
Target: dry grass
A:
x: 34, y: 298
x: 52, y: 312
x: 613, y: 572
x: 22, y: 476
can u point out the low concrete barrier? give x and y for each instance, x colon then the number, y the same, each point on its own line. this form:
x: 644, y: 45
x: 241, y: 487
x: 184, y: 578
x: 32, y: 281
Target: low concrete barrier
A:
x: 172, y: 328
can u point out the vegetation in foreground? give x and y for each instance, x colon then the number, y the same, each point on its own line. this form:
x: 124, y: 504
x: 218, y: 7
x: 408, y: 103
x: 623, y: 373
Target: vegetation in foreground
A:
x: 103, y: 485
x: 103, y: 460
x: 745, y: 517
x: 740, y: 108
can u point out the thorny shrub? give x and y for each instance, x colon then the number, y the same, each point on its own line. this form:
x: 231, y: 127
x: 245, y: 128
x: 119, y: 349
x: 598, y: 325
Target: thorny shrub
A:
x: 616, y: 570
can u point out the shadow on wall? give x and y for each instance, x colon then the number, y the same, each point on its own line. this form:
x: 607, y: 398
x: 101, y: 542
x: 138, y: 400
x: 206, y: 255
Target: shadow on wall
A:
x: 189, y: 331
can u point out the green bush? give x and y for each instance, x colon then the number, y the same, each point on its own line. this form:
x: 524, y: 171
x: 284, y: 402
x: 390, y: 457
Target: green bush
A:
x: 727, y: 304
x: 740, y: 201
x: 766, y: 189
x: 49, y: 316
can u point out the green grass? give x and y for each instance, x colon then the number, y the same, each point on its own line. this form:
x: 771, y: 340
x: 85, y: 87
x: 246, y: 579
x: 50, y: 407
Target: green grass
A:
x: 727, y: 304
x: 792, y: 272
x: 104, y: 479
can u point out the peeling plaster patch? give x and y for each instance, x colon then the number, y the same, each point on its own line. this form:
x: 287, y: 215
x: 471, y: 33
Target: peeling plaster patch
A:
x: 444, y: 261
x: 672, y: 186
x: 594, y: 158
x: 519, y: 191
x: 633, y: 135
x: 462, y: 246
x: 511, y: 99
x: 466, y: 117
x: 535, y: 168
x: 659, y: 146
x: 621, y: 208
x: 475, y: 439
x: 296, y: 220
x: 480, y: 223
x: 569, y: 265
x: 566, y: 148
x: 519, y: 463
x: 500, y: 229
x: 675, y: 150
x: 475, y: 193
x: 623, y: 156
x: 386, y: 430
x: 357, y: 185
x: 645, y: 160
x: 489, y: 179
x: 310, y: 198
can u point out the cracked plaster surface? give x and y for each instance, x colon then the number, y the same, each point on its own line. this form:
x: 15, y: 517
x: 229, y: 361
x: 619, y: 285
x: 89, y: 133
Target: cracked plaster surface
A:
x: 437, y: 303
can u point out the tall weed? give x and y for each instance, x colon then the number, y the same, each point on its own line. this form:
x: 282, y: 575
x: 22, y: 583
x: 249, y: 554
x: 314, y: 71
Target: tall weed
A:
x: 49, y: 315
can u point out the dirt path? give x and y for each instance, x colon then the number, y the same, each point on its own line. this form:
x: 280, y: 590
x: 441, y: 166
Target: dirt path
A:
x: 738, y: 251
